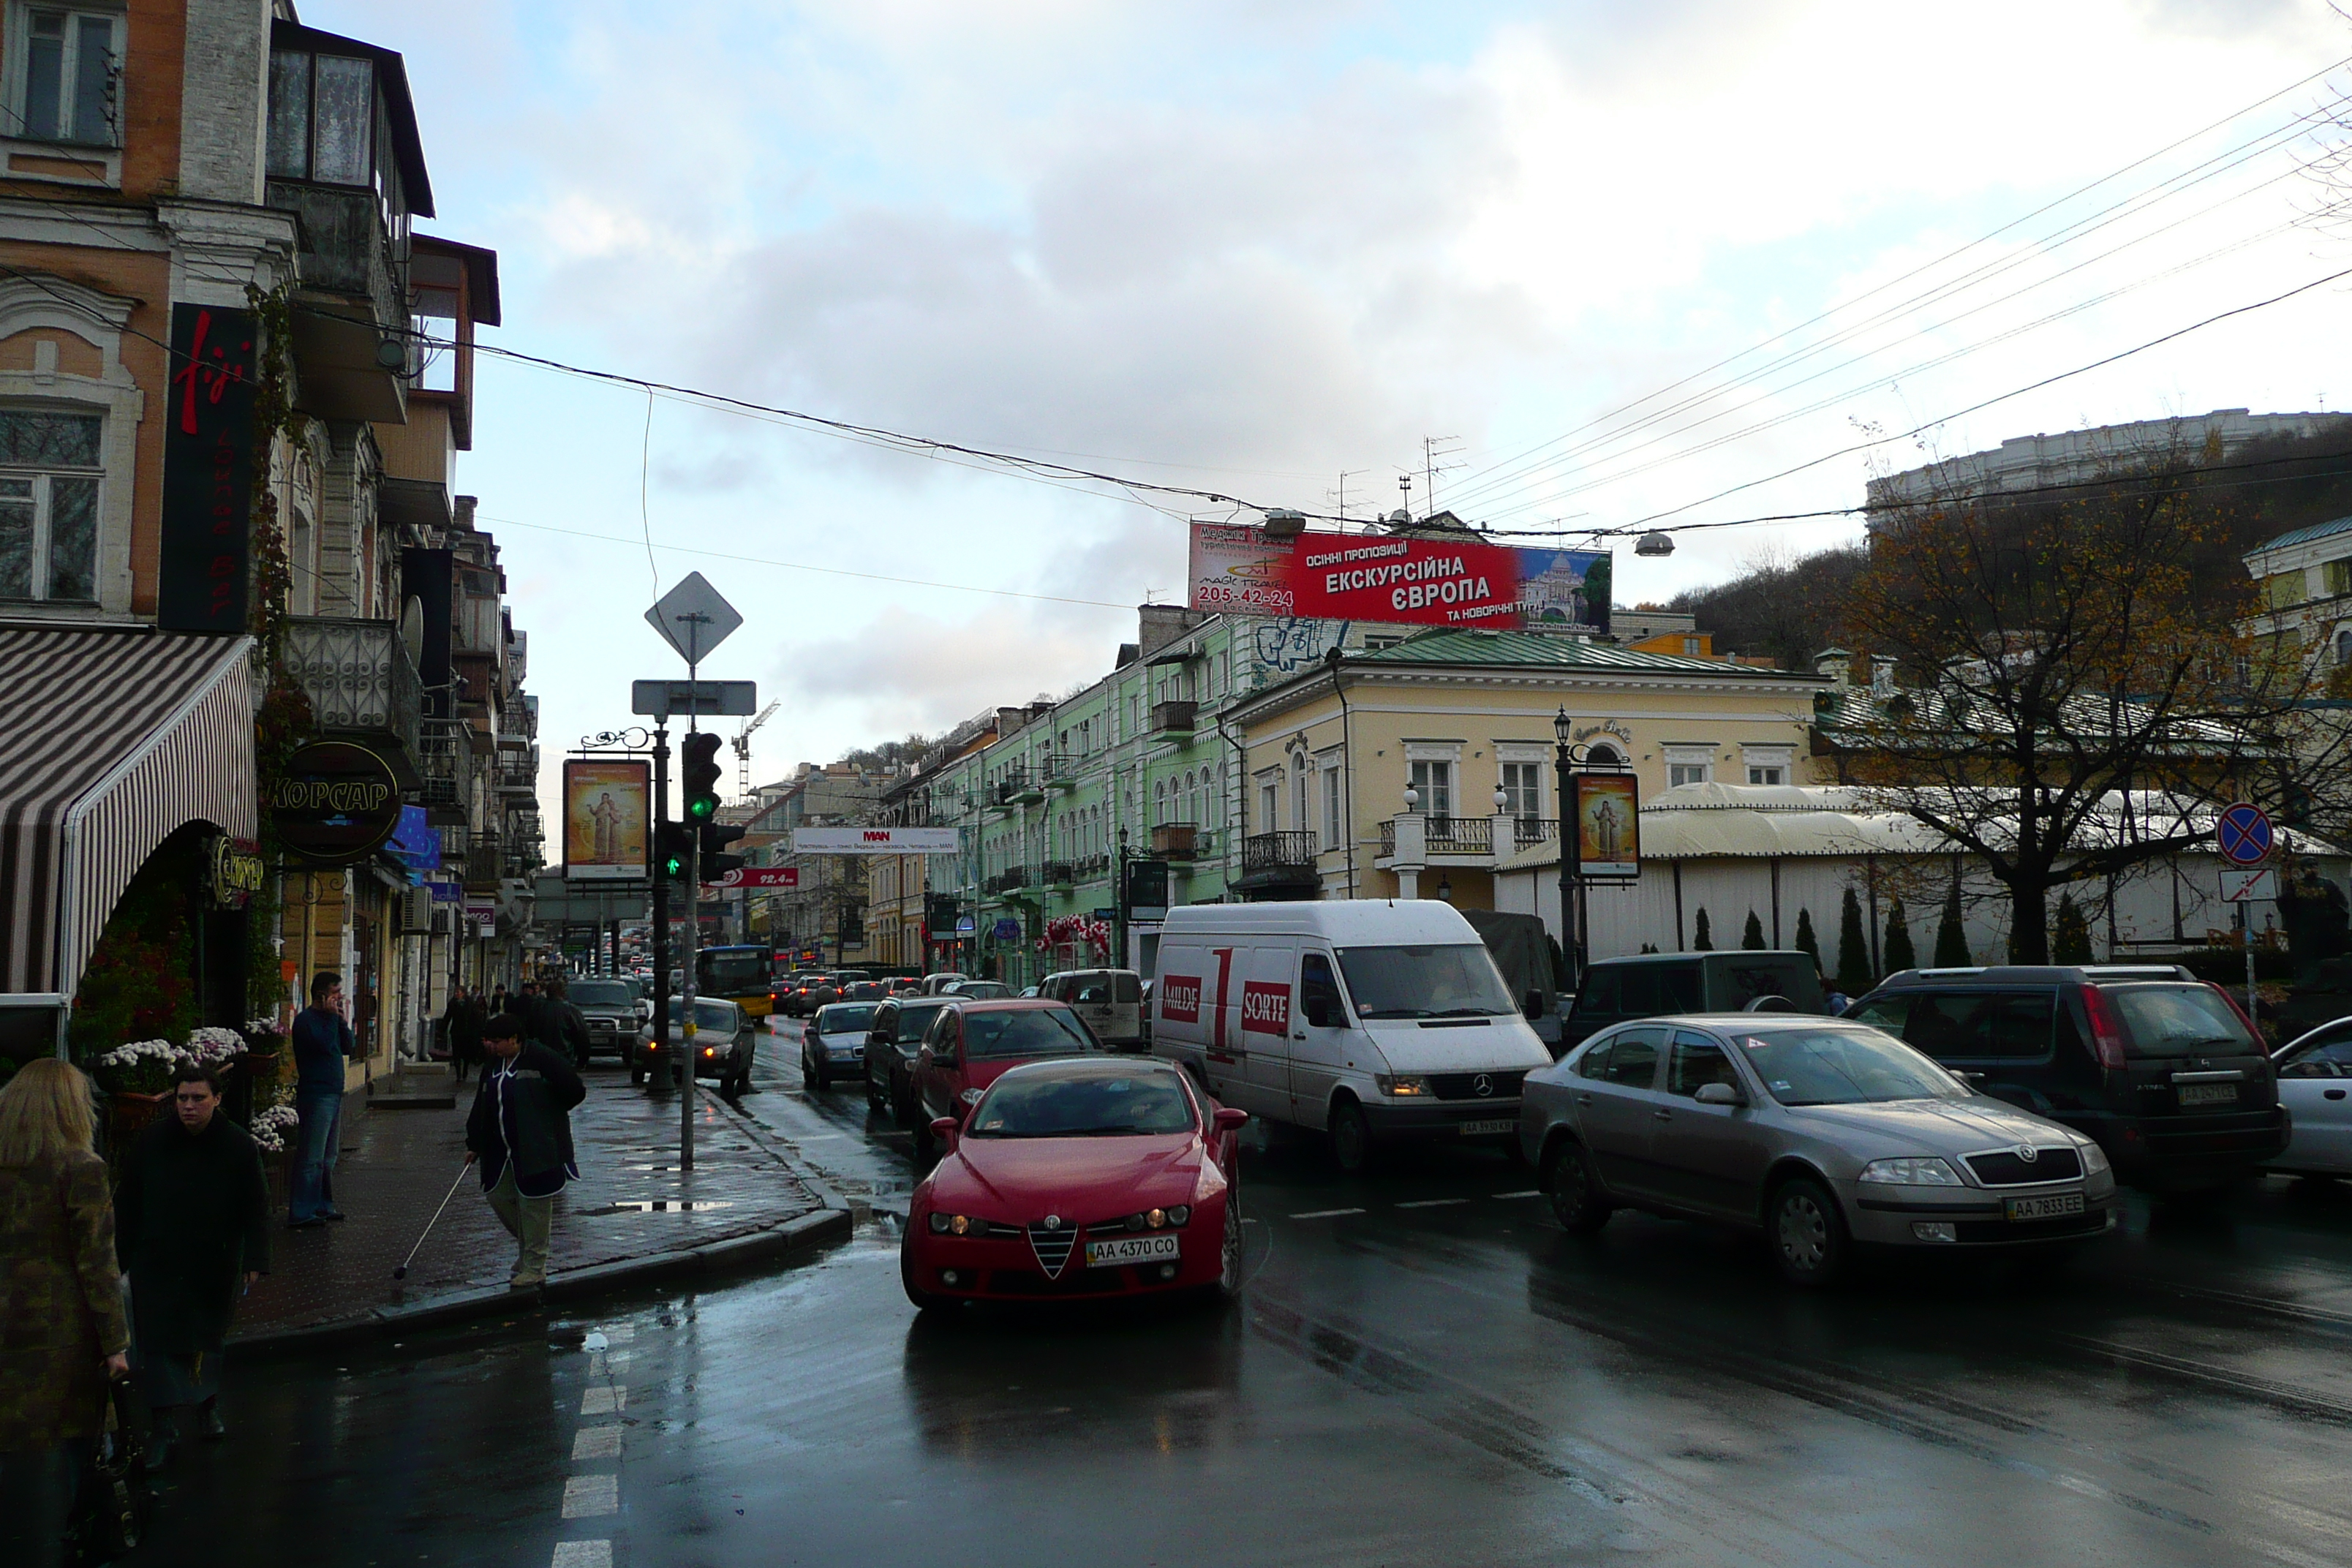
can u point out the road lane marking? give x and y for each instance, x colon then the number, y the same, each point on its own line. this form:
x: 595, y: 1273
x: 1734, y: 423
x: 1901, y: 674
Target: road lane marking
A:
x: 604, y: 1401
x: 583, y: 1555
x: 607, y: 1363
x: 596, y: 1443
x: 591, y: 1497
x: 1530, y: 1192
x: 1433, y: 1203
x: 1325, y: 1214
x: 620, y: 1334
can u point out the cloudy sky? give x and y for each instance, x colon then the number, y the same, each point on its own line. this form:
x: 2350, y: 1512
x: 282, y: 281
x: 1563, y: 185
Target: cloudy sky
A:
x: 1244, y: 248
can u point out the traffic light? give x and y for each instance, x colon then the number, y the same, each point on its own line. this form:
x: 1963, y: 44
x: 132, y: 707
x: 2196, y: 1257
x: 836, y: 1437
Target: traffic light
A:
x: 671, y: 842
x: 699, y: 774
x: 716, y: 861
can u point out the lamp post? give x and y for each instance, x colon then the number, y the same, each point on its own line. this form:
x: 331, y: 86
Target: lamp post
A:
x: 1570, y: 756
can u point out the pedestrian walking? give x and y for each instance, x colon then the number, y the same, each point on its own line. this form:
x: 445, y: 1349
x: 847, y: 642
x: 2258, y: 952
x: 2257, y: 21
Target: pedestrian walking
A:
x: 520, y: 1132
x: 463, y: 1023
x: 62, y: 1331
x: 191, y: 1215
x: 571, y: 1031
x: 324, y: 1042
x: 498, y: 1000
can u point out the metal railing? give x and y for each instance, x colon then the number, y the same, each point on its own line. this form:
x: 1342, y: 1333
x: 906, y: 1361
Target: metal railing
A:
x: 1532, y: 830
x: 1173, y: 716
x: 358, y: 676
x: 1057, y: 873
x: 1290, y: 850
x: 1461, y: 835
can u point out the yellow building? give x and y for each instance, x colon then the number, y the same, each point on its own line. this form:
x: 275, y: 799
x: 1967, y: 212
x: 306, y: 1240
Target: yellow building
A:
x: 1464, y: 721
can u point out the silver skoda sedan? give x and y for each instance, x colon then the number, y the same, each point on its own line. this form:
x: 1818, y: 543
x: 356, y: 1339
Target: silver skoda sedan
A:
x: 1818, y: 1132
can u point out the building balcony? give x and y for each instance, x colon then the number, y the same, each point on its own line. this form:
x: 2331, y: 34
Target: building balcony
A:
x: 1450, y: 836
x: 1527, y: 832
x: 1091, y: 867
x: 1174, y: 841
x: 1172, y: 718
x: 361, y: 684
x: 519, y: 772
x: 1059, y: 875
x: 1059, y: 771
x: 355, y: 302
x: 1285, y: 859
x: 446, y: 762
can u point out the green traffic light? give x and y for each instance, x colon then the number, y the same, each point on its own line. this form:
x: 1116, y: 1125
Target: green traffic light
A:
x: 702, y: 806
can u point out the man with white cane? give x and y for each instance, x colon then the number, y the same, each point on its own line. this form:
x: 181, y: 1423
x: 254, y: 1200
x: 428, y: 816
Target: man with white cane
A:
x: 520, y: 1132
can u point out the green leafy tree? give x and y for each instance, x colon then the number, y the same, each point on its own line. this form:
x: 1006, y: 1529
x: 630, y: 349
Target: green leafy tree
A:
x: 1951, y: 941
x: 1752, y: 938
x: 1853, y: 976
x: 1899, y: 956
x: 2073, y: 937
x: 1703, y: 941
x: 1806, y: 941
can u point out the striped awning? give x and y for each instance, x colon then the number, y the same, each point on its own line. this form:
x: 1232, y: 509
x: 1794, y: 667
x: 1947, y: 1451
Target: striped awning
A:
x: 110, y: 739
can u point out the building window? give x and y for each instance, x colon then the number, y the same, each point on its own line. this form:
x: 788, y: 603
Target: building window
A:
x: 1269, y: 803
x: 1434, y: 783
x: 1335, y: 828
x: 1690, y: 763
x: 48, y: 505
x: 1523, y: 789
x: 70, y: 85
x: 1767, y: 764
x: 1374, y: 643
x: 1688, y: 773
x: 1159, y: 802
x: 1690, y: 647
x: 1767, y: 775
x: 322, y: 117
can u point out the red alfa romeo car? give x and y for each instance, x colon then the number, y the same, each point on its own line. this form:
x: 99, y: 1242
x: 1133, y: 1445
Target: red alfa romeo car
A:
x: 1081, y: 1177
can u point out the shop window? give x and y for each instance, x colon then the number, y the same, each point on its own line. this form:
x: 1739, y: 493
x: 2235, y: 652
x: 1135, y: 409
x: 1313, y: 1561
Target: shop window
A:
x: 70, y: 76
x: 48, y: 505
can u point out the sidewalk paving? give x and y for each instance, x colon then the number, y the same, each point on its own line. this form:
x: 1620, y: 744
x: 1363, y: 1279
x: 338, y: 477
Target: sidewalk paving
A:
x: 633, y: 1213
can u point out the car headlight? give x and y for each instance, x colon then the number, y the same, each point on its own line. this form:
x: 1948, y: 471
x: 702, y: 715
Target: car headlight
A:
x: 1179, y: 1213
x: 2095, y: 1159
x: 950, y: 1223
x: 971, y: 1096
x: 1400, y: 1084
x: 1916, y: 1172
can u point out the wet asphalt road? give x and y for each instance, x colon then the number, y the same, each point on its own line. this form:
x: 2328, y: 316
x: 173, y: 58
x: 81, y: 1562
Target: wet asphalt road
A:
x: 1424, y: 1371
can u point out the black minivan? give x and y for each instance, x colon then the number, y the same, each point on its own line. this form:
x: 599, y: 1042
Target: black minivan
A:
x: 2160, y: 1068
x: 1652, y: 984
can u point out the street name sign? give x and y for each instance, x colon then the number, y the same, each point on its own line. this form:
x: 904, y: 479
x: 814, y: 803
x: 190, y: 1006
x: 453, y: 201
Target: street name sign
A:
x: 693, y: 618
x: 2244, y: 834
x: 875, y: 841
x: 707, y: 698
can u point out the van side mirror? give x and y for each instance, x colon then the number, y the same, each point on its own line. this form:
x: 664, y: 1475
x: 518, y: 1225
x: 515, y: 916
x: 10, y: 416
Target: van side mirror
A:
x: 1229, y: 1118
x: 1719, y: 1094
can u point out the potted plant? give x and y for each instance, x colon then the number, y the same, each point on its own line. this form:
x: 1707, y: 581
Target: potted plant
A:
x: 274, y: 1130
x: 137, y: 1079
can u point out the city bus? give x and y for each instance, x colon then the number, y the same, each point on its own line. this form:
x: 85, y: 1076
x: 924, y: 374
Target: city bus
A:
x: 742, y: 975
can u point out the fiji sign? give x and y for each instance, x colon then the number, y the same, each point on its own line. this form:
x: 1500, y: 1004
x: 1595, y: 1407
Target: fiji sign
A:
x: 875, y: 841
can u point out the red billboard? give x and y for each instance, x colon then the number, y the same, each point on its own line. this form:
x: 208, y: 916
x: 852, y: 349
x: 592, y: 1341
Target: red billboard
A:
x: 758, y: 876
x: 1421, y: 580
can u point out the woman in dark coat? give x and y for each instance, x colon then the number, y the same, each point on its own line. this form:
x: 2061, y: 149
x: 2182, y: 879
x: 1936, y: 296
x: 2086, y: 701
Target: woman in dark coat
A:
x: 193, y: 1219
x: 62, y: 1325
x: 464, y: 1023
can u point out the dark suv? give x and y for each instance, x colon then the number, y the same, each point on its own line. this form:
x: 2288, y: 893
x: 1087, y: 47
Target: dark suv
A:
x: 2160, y: 1068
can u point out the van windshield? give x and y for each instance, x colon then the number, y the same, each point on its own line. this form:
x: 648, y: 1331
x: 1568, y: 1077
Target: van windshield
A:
x: 1434, y: 982
x: 2178, y: 1021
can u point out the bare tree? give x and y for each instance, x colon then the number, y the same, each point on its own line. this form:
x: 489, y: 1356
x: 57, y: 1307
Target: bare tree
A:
x: 2061, y: 666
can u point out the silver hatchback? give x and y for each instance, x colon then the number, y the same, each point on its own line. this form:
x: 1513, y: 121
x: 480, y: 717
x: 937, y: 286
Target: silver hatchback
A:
x: 1818, y: 1132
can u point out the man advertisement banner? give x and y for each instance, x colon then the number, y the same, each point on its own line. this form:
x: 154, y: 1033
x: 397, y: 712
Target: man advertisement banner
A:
x: 1443, y: 581
x: 606, y: 809
x: 875, y: 841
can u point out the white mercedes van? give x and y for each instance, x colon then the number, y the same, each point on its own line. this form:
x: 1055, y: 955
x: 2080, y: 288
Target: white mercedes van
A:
x: 1370, y: 1019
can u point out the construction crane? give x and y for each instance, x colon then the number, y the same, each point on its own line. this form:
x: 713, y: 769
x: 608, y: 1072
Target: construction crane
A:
x: 744, y: 750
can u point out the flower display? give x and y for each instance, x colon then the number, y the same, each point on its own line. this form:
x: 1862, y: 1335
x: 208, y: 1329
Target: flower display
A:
x: 273, y: 1127
x: 142, y: 1066
x: 1071, y: 930
x: 214, y: 1046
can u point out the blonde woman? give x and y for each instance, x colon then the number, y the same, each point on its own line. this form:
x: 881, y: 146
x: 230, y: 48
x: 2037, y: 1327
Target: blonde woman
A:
x: 62, y: 1331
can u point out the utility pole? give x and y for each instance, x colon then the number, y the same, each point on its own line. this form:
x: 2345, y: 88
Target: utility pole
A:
x: 661, y: 882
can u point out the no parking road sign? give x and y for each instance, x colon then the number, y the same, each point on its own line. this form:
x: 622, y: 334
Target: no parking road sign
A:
x: 2243, y: 834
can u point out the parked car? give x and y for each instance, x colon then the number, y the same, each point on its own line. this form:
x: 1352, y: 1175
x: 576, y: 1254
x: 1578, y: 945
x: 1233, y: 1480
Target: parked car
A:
x: 935, y: 983
x: 978, y: 990
x: 834, y: 1042
x: 1367, y: 1019
x: 723, y: 1045
x: 970, y: 1042
x: 610, y: 1009
x: 1079, y: 1178
x: 810, y: 993
x: 1110, y: 1000
x: 891, y: 1047
x: 2314, y: 1085
x: 866, y: 991
x: 1820, y: 1134
x: 2161, y: 1068
x: 1652, y: 985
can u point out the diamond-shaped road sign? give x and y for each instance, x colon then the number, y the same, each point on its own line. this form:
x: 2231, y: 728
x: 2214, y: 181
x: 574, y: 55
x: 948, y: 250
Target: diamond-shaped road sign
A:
x: 693, y: 618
